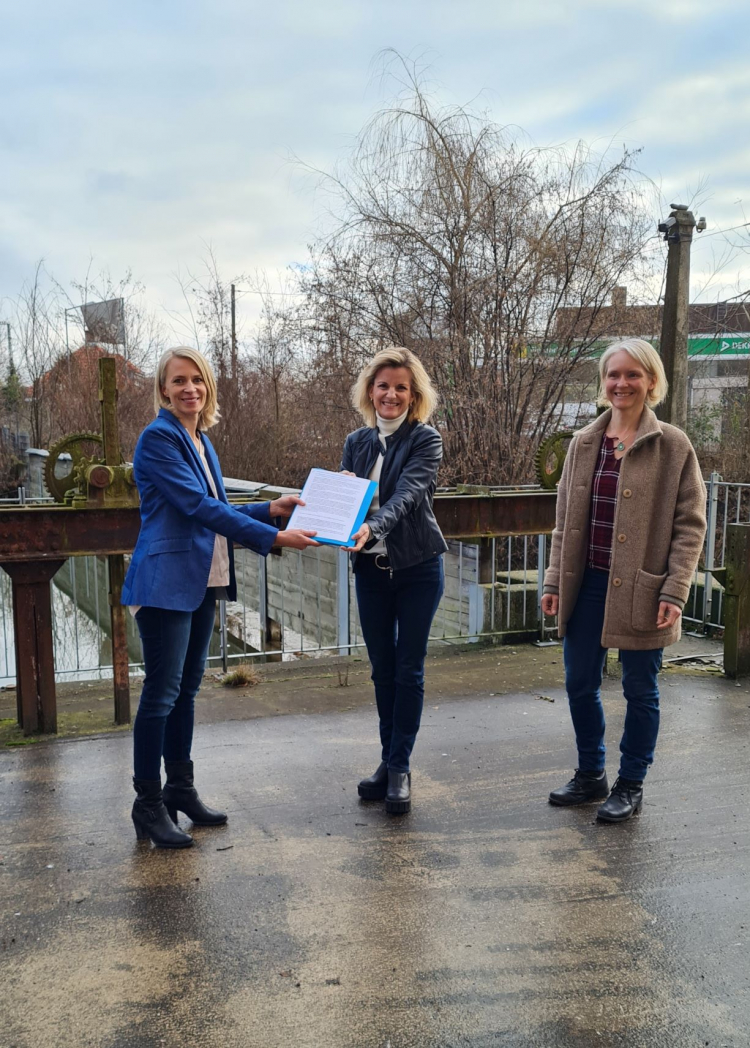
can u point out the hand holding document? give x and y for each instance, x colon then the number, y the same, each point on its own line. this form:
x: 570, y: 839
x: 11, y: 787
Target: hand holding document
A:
x: 335, y: 506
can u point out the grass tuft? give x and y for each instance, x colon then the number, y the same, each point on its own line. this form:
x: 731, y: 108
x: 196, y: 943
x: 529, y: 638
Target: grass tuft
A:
x: 243, y: 676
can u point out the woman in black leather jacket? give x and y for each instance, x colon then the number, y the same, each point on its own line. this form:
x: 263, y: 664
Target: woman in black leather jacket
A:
x: 397, y: 558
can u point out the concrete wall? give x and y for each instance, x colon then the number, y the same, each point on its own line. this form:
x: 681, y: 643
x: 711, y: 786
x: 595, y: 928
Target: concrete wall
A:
x: 303, y: 593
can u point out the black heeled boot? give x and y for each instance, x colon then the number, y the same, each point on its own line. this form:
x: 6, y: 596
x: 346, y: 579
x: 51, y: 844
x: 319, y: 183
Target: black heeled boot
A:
x: 374, y: 787
x: 151, y: 819
x: 398, y: 794
x: 585, y: 786
x: 181, y: 795
x: 624, y: 801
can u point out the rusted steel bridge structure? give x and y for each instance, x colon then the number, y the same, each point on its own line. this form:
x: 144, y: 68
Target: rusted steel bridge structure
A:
x: 36, y: 541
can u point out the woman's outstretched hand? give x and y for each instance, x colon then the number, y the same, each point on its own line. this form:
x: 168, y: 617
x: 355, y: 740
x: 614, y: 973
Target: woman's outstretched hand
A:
x: 668, y: 615
x: 550, y: 603
x: 293, y: 538
x: 284, y: 507
x: 360, y: 538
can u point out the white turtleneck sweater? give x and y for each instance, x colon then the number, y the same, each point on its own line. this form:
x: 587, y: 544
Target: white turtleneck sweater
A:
x: 386, y: 427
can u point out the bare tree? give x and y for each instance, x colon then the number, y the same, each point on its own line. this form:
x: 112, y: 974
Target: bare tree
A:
x: 38, y: 343
x: 456, y: 241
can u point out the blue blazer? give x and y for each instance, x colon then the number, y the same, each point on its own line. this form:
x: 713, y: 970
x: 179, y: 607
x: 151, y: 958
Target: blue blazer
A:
x: 180, y: 520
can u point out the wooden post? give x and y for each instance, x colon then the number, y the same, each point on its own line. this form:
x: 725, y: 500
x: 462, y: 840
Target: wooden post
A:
x: 35, y: 664
x: 117, y: 613
x: 115, y: 561
x: 678, y: 230
x: 735, y: 577
x: 108, y: 400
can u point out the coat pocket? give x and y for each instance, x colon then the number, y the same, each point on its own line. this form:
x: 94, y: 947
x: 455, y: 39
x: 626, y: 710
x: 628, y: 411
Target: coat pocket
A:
x: 646, y: 600
x: 170, y: 546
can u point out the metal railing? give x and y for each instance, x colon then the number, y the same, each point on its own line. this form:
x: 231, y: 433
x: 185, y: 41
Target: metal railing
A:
x: 303, y: 605
x: 23, y: 498
x: 309, y: 601
x: 299, y: 605
x: 727, y: 503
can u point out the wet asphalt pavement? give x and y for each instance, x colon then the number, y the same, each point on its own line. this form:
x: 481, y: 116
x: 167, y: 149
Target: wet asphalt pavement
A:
x: 486, y: 917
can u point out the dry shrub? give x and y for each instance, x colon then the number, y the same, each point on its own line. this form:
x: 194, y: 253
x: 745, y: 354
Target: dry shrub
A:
x: 242, y: 676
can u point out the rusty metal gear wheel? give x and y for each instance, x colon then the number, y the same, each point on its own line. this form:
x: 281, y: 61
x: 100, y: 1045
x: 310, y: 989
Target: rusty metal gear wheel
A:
x: 550, y: 459
x: 83, y: 448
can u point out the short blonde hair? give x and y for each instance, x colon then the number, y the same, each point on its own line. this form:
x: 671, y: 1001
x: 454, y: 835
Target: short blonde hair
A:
x: 647, y: 357
x: 210, y: 414
x: 425, y: 397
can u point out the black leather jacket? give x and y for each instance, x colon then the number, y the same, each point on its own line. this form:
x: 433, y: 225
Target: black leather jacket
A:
x: 407, y: 485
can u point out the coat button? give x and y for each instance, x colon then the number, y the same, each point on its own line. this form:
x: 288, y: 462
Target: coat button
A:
x: 617, y: 582
x: 627, y: 493
x: 621, y: 538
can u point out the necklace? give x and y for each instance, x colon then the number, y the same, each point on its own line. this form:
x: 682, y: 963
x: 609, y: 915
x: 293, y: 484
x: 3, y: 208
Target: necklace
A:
x: 620, y: 445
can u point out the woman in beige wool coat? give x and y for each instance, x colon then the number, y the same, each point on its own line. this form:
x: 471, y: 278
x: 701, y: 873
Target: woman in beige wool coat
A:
x: 630, y: 527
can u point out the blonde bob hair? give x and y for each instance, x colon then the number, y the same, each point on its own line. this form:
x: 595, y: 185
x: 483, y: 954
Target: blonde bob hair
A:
x: 647, y: 357
x: 422, y: 390
x: 210, y: 414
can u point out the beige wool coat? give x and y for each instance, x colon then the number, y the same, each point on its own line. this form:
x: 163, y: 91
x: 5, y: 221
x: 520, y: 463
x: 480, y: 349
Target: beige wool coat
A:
x: 660, y: 525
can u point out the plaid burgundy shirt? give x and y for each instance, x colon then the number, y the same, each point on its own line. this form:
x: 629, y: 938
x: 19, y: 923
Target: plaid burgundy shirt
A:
x: 603, y: 503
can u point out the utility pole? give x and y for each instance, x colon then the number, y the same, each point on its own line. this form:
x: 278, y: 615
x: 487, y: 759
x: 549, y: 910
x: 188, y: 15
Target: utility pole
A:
x: 10, y: 346
x: 234, y: 336
x: 12, y: 382
x: 678, y: 232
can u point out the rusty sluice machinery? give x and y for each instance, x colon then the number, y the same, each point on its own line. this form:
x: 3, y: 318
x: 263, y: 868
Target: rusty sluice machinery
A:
x: 97, y: 507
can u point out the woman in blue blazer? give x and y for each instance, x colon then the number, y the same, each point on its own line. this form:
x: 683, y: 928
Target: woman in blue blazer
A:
x: 183, y: 562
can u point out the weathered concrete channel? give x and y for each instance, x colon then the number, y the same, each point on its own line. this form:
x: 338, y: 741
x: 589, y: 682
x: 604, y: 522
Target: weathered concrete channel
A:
x: 484, y: 918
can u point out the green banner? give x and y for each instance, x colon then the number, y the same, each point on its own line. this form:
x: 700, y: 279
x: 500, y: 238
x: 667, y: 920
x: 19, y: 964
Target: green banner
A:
x: 731, y: 347
x: 726, y: 347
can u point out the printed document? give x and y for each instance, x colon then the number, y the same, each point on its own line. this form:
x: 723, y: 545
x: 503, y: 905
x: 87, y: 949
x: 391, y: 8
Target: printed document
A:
x: 335, y: 506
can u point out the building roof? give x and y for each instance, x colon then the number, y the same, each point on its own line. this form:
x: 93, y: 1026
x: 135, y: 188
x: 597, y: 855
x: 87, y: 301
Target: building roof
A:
x: 619, y: 320
x: 84, y: 364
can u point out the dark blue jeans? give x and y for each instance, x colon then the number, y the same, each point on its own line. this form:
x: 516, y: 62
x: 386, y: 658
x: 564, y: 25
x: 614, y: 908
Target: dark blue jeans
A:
x: 396, y: 614
x: 584, y: 664
x: 175, y: 646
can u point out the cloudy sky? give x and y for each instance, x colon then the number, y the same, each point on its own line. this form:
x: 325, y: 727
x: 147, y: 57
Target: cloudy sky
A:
x: 139, y: 132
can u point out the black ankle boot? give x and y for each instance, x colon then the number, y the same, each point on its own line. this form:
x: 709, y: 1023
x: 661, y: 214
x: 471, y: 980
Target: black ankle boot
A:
x: 181, y: 795
x: 374, y: 787
x: 398, y: 794
x: 151, y: 820
x: 624, y: 801
x: 585, y: 786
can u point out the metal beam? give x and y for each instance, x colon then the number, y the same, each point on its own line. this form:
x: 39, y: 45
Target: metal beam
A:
x: 39, y: 533
x: 497, y: 514
x: 49, y: 532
